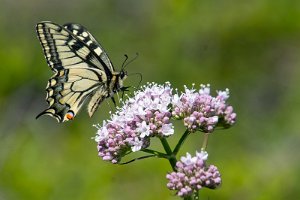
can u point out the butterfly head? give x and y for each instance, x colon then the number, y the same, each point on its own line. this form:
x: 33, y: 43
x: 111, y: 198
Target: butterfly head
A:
x: 122, y: 76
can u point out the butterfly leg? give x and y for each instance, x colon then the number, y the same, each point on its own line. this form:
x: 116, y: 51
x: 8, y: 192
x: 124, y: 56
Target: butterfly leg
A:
x: 124, y: 89
x: 113, y: 100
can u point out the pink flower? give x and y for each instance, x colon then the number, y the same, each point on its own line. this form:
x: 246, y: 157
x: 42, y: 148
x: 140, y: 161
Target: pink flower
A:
x: 149, y: 113
x: 143, y: 116
x: 192, y: 174
x: 201, y: 111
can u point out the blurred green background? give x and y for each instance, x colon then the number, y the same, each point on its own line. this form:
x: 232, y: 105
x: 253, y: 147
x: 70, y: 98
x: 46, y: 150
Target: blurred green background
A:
x: 251, y: 47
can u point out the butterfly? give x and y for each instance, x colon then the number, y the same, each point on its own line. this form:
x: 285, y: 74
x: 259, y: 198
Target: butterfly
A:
x: 83, y: 72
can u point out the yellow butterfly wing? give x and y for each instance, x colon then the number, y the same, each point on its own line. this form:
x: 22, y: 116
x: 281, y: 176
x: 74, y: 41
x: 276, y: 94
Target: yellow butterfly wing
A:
x: 81, y: 74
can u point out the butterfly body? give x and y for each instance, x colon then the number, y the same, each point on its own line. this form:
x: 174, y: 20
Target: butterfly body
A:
x: 83, y: 72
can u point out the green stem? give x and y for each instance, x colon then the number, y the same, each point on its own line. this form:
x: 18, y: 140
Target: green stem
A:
x: 157, y: 153
x: 196, y: 195
x: 135, y: 159
x: 205, y: 142
x: 150, y: 151
x: 187, y: 198
x: 171, y: 156
x: 181, y: 141
x: 166, y: 145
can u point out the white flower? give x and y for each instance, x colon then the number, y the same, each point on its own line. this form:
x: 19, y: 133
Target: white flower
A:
x: 143, y: 129
x: 176, y: 100
x: 167, y: 129
x: 224, y: 95
x: 163, y: 107
x: 128, y: 116
x: 203, y: 155
x: 102, y: 133
x: 140, y: 111
x: 136, y: 145
x: 145, y: 102
x: 188, y: 160
x: 213, y: 120
x: 205, y: 89
x: 188, y: 91
x: 154, y: 104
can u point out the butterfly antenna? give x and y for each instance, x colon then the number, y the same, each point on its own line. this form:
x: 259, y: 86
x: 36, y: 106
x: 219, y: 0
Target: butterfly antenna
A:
x: 141, y: 78
x: 130, y: 61
x: 124, y: 62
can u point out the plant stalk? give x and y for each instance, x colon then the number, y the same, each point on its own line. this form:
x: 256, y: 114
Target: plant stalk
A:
x: 205, y: 142
x: 181, y: 141
x: 171, y: 157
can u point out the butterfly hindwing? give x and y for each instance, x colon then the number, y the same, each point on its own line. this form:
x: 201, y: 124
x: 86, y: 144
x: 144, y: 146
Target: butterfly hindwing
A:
x: 96, y: 100
x: 81, y: 75
x: 69, y: 89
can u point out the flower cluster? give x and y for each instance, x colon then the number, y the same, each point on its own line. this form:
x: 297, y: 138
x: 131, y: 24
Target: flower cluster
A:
x: 148, y: 113
x: 143, y: 116
x: 192, y: 175
x: 200, y: 111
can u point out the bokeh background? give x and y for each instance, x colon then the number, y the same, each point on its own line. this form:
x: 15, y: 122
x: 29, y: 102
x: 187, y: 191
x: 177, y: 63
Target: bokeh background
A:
x: 251, y: 47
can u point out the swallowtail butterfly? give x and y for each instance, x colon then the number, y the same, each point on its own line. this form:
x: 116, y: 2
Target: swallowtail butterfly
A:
x: 83, y: 72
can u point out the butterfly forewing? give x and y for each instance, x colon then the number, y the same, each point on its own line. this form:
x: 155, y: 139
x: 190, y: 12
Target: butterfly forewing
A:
x: 82, y: 34
x: 83, y: 71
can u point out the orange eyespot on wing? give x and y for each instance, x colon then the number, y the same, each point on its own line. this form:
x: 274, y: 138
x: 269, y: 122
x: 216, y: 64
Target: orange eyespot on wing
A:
x: 70, y: 115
